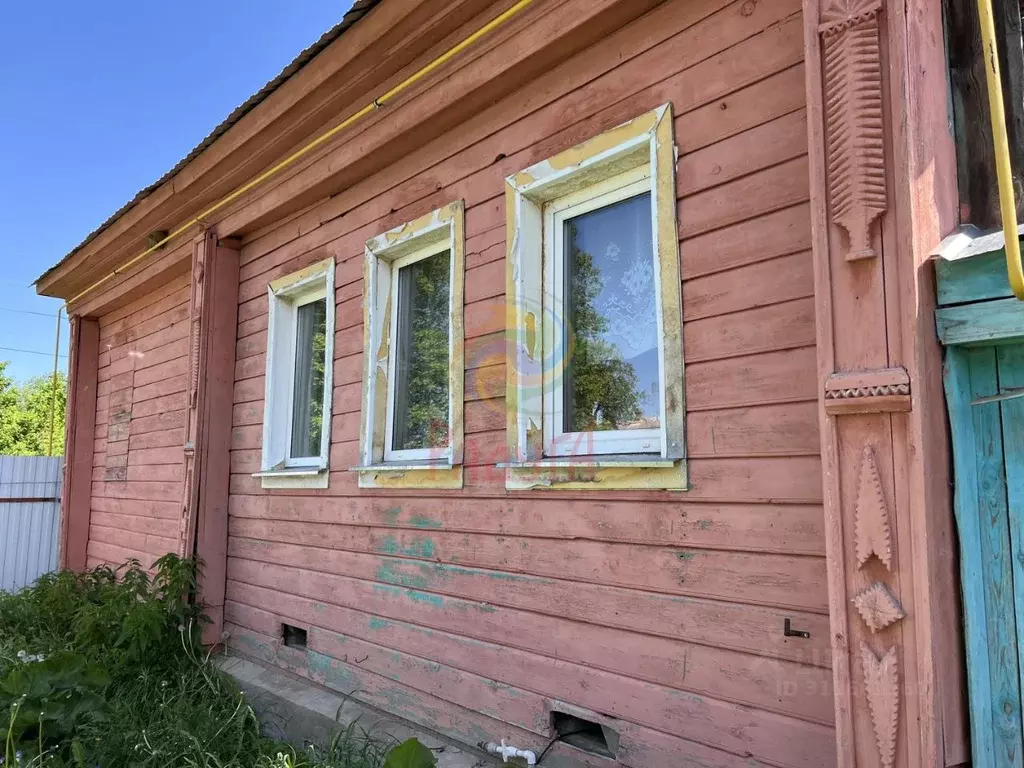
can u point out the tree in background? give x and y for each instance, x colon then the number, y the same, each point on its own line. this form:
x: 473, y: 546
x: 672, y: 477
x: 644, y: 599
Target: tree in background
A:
x: 25, y: 414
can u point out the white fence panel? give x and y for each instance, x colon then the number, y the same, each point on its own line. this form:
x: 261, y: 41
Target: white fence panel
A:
x: 29, y: 518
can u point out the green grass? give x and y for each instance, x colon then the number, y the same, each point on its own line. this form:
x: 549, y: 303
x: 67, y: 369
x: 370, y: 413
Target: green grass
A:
x: 123, y: 681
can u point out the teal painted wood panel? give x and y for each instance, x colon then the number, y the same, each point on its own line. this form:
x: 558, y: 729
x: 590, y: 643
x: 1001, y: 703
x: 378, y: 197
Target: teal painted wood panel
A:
x: 980, y: 503
x: 977, y: 278
x: 984, y: 323
x: 1010, y: 368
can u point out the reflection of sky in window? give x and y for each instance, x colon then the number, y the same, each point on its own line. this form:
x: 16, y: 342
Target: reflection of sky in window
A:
x: 619, y: 239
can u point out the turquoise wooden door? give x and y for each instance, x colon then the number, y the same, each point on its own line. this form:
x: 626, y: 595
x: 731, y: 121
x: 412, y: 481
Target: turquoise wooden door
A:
x: 985, y: 395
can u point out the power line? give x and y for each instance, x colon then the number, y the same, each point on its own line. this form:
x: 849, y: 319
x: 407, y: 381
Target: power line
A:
x: 29, y: 351
x: 28, y: 312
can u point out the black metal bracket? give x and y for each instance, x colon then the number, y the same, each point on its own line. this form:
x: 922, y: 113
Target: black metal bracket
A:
x: 788, y: 631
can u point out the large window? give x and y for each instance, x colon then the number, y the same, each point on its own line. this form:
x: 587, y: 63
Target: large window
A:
x: 594, y: 267
x: 411, y: 432
x: 297, y: 410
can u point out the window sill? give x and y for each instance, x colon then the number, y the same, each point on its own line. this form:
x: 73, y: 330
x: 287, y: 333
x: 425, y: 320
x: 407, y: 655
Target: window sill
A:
x: 294, y: 477
x: 411, y: 474
x: 595, y: 473
x: 610, y: 460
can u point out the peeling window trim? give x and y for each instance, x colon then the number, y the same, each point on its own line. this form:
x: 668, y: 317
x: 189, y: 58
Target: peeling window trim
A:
x: 647, y: 140
x: 447, y: 225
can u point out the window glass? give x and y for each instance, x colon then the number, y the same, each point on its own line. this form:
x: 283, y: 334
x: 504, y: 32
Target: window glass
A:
x: 611, y: 380
x: 308, y: 378
x: 421, y: 348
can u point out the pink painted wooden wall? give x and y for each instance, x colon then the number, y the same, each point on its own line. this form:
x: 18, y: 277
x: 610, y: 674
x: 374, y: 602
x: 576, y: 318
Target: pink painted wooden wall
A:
x: 473, y: 611
x: 476, y: 612
x: 140, y: 421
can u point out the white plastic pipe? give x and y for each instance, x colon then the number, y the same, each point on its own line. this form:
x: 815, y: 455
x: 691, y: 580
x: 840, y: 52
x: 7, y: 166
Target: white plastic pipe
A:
x: 507, y: 750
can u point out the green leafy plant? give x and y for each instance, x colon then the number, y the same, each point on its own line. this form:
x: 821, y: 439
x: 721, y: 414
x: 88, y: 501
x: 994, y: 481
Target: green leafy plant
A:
x: 410, y: 754
x: 50, y: 700
x: 105, y: 668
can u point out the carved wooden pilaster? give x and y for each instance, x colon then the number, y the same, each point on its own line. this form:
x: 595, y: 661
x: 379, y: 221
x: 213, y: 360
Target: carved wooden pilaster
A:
x: 213, y: 318
x: 886, y: 534
x: 853, y: 112
x: 197, y: 350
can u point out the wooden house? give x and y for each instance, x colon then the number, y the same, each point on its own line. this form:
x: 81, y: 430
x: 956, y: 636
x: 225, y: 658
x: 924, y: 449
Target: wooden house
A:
x: 506, y: 362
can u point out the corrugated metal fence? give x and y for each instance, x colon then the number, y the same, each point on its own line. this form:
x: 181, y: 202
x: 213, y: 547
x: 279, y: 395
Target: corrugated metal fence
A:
x: 29, y: 518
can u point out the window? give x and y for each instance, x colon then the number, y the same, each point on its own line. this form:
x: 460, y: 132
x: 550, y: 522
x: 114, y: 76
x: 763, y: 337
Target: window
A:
x: 595, y: 389
x: 411, y: 432
x: 300, y: 354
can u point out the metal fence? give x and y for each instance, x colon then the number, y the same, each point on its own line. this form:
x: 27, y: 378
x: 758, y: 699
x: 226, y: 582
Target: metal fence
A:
x: 29, y: 518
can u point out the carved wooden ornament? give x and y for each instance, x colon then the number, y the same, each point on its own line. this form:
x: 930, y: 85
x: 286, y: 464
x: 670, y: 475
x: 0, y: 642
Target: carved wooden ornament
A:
x: 878, y: 607
x: 853, y: 119
x: 872, y: 534
x: 881, y: 679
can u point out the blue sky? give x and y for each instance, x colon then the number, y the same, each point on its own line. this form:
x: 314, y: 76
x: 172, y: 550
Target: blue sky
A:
x: 97, y: 100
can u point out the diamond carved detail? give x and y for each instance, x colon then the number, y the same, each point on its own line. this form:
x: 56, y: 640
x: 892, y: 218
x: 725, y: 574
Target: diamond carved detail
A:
x: 878, y: 607
x: 872, y: 534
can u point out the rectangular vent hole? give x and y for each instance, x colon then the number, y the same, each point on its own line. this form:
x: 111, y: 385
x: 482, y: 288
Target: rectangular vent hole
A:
x: 294, y: 637
x: 584, y: 734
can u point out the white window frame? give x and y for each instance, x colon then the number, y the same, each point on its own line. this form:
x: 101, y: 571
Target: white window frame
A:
x: 577, y: 174
x: 278, y: 468
x: 414, y: 454
x: 557, y: 441
x: 379, y: 465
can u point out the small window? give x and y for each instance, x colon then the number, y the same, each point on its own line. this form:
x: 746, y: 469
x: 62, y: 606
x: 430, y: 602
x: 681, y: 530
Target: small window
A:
x: 300, y: 352
x: 411, y: 433
x: 595, y: 364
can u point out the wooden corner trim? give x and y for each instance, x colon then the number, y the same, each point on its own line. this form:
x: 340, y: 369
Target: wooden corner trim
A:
x: 870, y: 391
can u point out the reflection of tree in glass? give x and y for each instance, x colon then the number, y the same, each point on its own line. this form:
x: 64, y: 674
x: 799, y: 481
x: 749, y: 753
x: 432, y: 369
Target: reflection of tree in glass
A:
x: 421, y: 412
x: 603, y: 386
x: 316, y: 400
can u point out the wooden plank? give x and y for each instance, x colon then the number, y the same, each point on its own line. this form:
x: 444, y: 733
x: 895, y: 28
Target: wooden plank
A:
x: 774, y: 377
x: 757, y: 284
x: 524, y: 673
x: 78, y: 443
x: 158, y: 422
x: 765, y: 579
x: 165, y: 438
x: 787, y: 325
x: 409, y: 591
x: 1010, y: 372
x: 756, y: 528
x: 980, y: 505
x: 760, y: 147
x: 985, y: 322
x: 976, y: 278
x: 161, y: 509
x: 772, y: 189
x: 777, y: 233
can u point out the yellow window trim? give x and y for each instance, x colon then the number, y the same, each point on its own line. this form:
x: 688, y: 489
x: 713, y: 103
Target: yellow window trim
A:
x: 444, y: 224
x: 647, y: 140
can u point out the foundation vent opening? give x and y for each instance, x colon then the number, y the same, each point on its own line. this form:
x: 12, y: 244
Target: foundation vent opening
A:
x: 294, y: 637
x: 583, y: 734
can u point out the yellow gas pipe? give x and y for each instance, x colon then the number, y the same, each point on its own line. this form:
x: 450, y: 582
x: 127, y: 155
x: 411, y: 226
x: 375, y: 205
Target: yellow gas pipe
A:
x: 1004, y: 173
x: 374, y: 105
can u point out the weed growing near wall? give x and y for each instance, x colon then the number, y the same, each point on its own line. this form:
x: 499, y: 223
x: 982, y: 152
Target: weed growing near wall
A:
x: 105, y: 670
